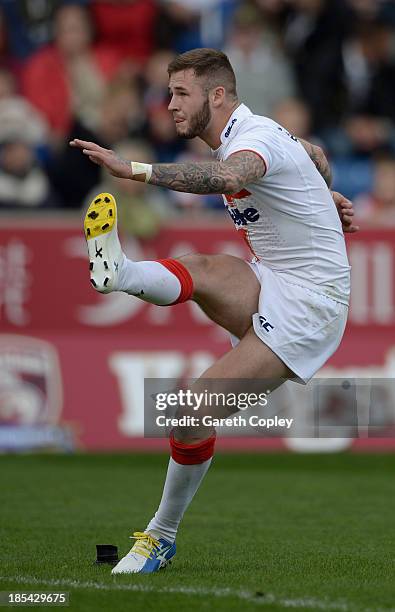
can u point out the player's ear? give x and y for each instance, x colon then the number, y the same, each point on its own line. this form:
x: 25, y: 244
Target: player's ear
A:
x: 217, y: 96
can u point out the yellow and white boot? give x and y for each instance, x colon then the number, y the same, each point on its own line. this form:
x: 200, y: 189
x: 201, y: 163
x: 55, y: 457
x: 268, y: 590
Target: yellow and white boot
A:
x: 105, y: 252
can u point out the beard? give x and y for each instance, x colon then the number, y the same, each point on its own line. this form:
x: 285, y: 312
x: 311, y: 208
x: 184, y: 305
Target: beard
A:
x: 198, y: 122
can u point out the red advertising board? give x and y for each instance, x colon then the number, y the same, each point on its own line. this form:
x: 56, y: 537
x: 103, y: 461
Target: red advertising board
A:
x: 73, y: 362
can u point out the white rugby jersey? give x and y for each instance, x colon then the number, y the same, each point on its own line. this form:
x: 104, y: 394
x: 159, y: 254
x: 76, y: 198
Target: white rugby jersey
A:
x: 288, y: 217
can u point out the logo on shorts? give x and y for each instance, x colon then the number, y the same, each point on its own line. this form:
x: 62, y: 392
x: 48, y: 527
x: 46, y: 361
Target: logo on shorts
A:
x: 265, y: 323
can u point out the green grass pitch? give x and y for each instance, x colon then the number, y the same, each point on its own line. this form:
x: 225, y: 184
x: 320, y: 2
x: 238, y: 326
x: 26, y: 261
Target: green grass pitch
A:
x: 265, y: 532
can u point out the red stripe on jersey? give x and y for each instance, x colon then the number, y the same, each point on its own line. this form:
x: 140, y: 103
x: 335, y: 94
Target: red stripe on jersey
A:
x: 244, y: 193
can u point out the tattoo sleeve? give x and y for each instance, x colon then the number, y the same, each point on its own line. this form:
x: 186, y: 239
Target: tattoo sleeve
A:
x: 317, y: 155
x: 228, y: 176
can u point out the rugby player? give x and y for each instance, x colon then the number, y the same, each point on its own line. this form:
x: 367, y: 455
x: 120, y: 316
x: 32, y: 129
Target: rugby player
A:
x: 286, y: 310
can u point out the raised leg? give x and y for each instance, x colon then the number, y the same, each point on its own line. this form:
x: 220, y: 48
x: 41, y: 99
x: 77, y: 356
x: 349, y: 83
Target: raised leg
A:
x: 227, y: 289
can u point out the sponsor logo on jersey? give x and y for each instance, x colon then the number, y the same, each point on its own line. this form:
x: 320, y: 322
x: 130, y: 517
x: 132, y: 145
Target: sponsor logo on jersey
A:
x: 229, y: 129
x: 265, y: 323
x: 249, y: 215
x: 288, y: 134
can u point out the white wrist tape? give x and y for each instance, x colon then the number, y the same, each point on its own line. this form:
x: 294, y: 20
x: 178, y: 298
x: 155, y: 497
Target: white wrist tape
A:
x: 141, y: 172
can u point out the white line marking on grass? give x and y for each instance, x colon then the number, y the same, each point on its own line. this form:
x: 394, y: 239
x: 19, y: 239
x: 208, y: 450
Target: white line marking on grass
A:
x: 264, y: 599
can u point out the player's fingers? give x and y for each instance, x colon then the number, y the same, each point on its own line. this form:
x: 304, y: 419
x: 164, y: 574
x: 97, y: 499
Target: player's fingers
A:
x: 341, y: 201
x: 82, y: 144
x: 95, y: 161
x: 337, y: 197
x: 95, y: 156
x: 351, y: 229
x: 347, y: 211
x: 85, y: 144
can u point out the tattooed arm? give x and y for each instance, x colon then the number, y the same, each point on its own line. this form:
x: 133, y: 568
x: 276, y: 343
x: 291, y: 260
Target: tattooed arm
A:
x: 228, y: 176
x: 317, y: 155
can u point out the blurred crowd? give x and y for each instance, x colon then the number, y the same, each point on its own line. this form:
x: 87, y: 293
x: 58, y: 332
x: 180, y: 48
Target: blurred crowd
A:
x: 97, y: 70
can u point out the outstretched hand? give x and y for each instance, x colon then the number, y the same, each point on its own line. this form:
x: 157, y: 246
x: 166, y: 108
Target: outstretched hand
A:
x: 346, y: 212
x: 104, y: 157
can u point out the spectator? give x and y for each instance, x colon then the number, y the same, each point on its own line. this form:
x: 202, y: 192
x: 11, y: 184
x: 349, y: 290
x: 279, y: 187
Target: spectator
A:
x: 295, y: 116
x: 29, y: 25
x: 162, y: 134
x: 368, y: 134
x: 378, y: 206
x: 189, y: 24
x: 371, y: 9
x: 370, y: 69
x: 119, y: 114
x: 7, y: 84
x: 156, y: 79
x: 127, y: 26
x: 68, y: 78
x: 19, y: 117
x: 353, y: 146
x: 271, y: 9
x: 7, y: 60
x: 23, y: 184
x: 141, y: 208
x: 161, y: 130
x: 314, y: 35
x: 23, y: 142
x: 16, y: 114
x: 263, y: 74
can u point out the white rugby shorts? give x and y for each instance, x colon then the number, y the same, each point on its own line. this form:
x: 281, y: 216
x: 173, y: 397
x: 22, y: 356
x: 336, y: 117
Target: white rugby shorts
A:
x: 301, y: 326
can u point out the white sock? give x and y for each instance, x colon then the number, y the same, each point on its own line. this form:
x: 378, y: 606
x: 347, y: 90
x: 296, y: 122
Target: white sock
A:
x: 150, y: 281
x: 182, y: 482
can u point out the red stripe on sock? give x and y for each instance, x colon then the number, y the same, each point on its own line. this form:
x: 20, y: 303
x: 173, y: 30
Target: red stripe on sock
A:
x: 178, y: 269
x: 191, y: 454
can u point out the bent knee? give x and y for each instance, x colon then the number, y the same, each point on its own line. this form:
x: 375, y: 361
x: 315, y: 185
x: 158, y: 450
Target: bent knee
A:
x: 199, y: 266
x: 196, y: 262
